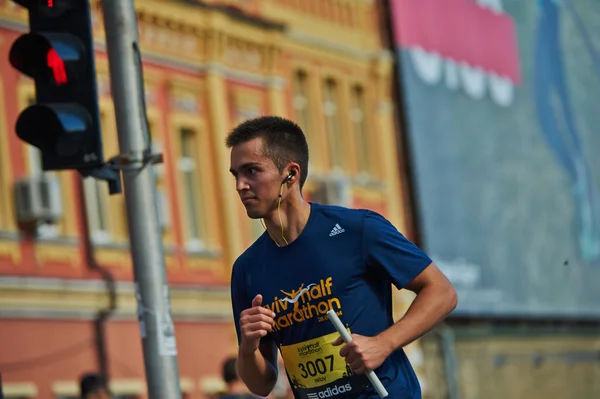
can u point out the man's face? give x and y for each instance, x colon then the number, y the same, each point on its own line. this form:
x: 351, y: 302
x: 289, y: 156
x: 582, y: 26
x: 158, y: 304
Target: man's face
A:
x: 258, y: 181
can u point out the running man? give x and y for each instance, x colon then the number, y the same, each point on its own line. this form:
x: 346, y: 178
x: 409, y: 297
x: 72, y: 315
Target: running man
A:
x: 342, y: 259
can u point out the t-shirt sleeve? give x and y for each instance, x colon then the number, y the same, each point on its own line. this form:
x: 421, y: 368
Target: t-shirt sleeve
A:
x: 386, y: 249
x: 239, y: 296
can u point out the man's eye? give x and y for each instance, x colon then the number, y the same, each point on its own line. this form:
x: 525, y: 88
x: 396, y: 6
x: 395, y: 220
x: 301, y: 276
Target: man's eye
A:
x: 252, y: 171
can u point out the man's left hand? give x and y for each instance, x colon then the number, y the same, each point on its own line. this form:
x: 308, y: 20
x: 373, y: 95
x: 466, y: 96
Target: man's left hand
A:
x: 364, y: 353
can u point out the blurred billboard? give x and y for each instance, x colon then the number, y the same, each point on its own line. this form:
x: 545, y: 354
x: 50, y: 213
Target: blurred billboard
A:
x: 502, y: 106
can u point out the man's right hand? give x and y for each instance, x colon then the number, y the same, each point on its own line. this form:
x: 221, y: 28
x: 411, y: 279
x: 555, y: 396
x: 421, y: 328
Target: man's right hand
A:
x: 255, y: 323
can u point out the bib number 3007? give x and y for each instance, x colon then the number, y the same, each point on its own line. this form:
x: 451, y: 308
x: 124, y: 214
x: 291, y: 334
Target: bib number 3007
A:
x: 315, y: 362
x: 319, y: 366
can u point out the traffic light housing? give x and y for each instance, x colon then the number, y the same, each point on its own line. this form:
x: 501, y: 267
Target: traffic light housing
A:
x: 58, y: 53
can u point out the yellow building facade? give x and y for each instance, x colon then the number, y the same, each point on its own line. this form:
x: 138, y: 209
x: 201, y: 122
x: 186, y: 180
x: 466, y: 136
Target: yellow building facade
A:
x: 207, y: 66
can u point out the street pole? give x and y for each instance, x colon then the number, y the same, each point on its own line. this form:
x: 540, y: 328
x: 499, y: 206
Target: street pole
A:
x: 135, y: 161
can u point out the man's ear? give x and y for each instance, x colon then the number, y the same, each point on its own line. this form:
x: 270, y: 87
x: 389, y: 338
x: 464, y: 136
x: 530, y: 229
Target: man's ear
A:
x: 293, y: 174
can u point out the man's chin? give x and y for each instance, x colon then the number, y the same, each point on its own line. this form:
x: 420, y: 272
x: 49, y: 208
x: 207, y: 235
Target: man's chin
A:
x: 254, y: 214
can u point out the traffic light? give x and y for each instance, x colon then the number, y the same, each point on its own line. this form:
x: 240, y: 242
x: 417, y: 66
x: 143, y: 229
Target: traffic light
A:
x: 58, y: 53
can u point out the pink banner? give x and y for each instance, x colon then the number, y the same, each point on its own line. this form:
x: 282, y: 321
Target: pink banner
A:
x: 460, y: 30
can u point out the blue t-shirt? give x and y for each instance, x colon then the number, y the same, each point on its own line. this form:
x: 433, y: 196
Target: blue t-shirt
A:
x: 345, y: 260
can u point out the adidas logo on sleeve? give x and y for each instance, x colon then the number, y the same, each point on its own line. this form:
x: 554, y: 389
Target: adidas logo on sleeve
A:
x: 337, y: 229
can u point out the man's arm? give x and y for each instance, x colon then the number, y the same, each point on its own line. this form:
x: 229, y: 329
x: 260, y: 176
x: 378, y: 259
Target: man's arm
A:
x: 258, y: 369
x: 257, y: 354
x: 436, y: 298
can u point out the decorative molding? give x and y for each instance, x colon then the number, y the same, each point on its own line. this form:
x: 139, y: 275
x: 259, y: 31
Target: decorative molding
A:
x: 329, y: 46
x: 185, y: 95
x: 169, y: 40
x: 128, y: 387
x: 187, y: 104
x: 208, y: 259
x: 53, y: 253
x: 117, y: 386
x: 276, y: 82
x: 247, y: 104
x: 114, y: 257
x: 242, y: 52
x: 25, y: 297
x: 184, y: 84
x: 186, y: 385
x: 212, y: 384
x: 11, y: 249
x: 19, y: 390
x: 65, y: 388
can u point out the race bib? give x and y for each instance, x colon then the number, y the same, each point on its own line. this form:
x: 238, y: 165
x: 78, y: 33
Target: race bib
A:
x: 316, y: 369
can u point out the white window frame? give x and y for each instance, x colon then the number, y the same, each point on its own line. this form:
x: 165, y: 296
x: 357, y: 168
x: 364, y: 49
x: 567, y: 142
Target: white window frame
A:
x: 331, y: 93
x: 194, y: 235
x: 96, y: 197
x: 358, y: 119
x: 34, y: 158
x: 300, y: 101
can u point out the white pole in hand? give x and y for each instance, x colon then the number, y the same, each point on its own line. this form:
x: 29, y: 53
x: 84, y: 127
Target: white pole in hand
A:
x: 337, y: 323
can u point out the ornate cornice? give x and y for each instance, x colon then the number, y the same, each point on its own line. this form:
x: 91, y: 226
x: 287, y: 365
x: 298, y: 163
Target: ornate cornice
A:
x: 83, y: 299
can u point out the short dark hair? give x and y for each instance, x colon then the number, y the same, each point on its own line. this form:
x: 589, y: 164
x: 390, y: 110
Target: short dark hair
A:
x: 91, y: 383
x: 230, y: 370
x: 283, y: 141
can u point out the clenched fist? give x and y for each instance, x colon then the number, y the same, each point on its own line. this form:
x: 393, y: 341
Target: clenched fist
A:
x: 364, y: 353
x: 255, y: 323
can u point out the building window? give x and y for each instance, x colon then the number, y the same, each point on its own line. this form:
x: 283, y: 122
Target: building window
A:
x: 96, y: 199
x: 6, y: 202
x: 162, y: 197
x: 330, y: 108
x: 193, y: 200
x: 160, y: 182
x: 20, y: 390
x: 359, y: 125
x: 302, y: 108
x: 34, y: 160
x: 34, y: 155
x: 301, y: 100
x: 97, y: 208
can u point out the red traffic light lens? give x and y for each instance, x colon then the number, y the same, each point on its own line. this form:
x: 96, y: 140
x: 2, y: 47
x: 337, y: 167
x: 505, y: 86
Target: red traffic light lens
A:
x: 58, y: 67
x: 56, y: 58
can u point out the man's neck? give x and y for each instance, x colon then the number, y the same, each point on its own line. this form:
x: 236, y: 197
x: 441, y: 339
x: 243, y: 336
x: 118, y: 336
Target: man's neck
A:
x: 294, y: 214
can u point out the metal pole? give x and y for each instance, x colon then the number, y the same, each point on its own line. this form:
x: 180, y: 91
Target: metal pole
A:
x: 152, y: 291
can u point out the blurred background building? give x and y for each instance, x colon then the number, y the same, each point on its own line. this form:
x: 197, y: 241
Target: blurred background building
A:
x: 67, y: 302
x: 471, y: 124
x: 500, y: 113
